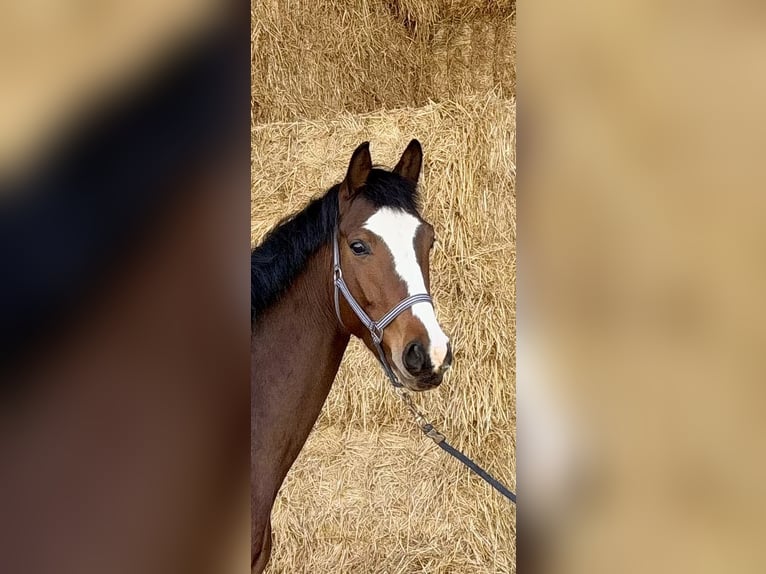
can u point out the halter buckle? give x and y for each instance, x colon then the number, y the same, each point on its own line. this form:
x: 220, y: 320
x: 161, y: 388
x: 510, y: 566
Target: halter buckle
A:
x: 377, y: 333
x: 337, y: 274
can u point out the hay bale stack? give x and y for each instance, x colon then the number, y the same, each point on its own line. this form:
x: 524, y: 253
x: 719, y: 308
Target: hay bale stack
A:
x: 314, y: 59
x: 369, y: 493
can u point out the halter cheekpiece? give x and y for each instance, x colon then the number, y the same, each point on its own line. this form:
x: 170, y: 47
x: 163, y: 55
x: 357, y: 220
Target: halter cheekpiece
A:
x: 374, y: 327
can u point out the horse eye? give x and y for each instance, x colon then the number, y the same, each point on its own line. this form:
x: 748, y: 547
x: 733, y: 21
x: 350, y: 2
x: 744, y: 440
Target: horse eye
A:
x: 359, y: 248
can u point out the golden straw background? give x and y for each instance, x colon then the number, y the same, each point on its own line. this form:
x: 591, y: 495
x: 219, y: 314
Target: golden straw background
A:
x: 369, y: 493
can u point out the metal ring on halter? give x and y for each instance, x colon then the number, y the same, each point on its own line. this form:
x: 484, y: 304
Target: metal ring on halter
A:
x: 376, y: 333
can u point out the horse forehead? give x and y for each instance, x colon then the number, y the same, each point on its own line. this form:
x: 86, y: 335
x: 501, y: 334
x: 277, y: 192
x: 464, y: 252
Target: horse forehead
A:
x: 396, y: 228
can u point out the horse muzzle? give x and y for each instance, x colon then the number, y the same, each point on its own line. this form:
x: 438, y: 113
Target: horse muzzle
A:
x: 421, y: 374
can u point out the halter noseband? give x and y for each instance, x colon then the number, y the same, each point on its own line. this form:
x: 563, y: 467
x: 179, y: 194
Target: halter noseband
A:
x: 374, y: 327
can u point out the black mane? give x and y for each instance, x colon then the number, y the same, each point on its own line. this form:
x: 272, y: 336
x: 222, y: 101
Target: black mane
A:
x: 284, y: 252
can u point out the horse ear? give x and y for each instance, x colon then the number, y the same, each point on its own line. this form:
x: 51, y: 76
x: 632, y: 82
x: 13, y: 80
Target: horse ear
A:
x: 411, y: 161
x: 358, y: 169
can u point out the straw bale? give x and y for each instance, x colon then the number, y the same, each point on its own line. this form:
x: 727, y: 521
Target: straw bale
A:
x: 433, y: 10
x: 473, y: 56
x: 369, y: 493
x: 311, y: 60
x: 431, y: 15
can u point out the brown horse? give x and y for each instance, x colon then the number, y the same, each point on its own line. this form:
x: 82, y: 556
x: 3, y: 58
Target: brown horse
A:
x: 368, y: 231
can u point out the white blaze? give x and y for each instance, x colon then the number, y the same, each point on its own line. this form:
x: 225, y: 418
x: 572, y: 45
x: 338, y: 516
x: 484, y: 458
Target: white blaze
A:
x: 397, y: 229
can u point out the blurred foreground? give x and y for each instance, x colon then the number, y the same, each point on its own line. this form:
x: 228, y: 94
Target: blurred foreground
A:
x: 124, y: 168
x: 641, y: 266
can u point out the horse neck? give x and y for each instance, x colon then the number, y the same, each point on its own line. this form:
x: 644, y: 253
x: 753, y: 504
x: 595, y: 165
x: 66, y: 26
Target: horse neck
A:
x: 297, y: 348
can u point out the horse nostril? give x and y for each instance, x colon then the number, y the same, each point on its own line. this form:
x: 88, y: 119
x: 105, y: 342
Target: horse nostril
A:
x: 414, y: 357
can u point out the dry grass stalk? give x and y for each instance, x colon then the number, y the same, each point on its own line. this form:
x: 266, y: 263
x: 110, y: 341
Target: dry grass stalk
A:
x: 369, y: 493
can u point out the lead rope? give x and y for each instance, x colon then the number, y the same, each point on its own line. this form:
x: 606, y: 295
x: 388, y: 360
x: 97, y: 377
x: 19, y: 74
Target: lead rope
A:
x: 441, y: 441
